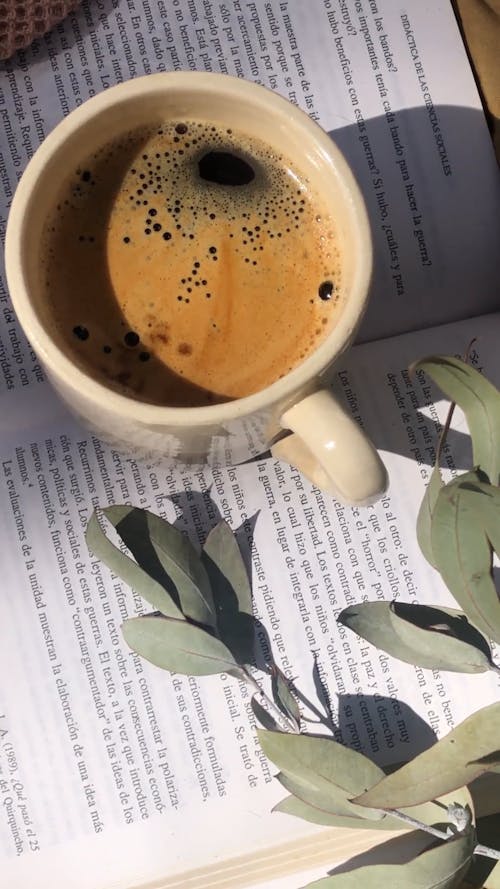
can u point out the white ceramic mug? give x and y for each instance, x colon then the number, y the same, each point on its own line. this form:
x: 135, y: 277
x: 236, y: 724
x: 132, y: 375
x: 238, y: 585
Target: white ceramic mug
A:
x: 324, y: 442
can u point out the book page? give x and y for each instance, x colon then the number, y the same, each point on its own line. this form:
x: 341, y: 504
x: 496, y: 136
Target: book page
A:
x: 109, y: 767
x: 109, y: 760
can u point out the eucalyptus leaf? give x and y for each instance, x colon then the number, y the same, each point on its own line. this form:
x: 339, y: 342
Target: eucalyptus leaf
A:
x: 453, y: 761
x: 321, y: 763
x: 264, y: 717
x: 179, y: 646
x: 371, y: 621
x: 441, y: 867
x: 326, y: 797
x: 442, y: 638
x: 232, y: 592
x: 283, y: 697
x: 486, y: 500
x: 314, y: 814
x: 221, y: 547
x: 433, y: 638
x: 129, y: 571
x: 480, y: 402
x: 165, y: 553
x: 462, y: 548
x: 425, y: 513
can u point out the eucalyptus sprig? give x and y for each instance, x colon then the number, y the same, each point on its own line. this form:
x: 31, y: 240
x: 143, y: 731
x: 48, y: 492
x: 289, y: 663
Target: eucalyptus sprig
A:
x: 458, y: 531
x: 202, y: 619
x: 202, y: 623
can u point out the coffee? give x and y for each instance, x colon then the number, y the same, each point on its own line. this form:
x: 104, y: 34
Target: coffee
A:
x: 187, y: 264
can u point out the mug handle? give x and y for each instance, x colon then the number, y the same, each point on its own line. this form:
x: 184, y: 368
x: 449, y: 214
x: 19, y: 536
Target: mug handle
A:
x: 329, y: 447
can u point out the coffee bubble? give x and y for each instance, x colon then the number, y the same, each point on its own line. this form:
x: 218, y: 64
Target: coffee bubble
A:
x: 326, y: 289
x: 81, y: 333
x: 131, y: 339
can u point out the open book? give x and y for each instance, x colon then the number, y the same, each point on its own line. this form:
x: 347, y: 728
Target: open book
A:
x: 113, y: 774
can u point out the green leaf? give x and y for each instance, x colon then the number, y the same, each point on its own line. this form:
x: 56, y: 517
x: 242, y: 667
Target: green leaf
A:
x: 129, y: 571
x: 371, y: 621
x: 232, y: 592
x: 480, y: 402
x: 443, y: 637
x: 283, y: 697
x: 466, y: 752
x: 433, y: 638
x: 167, y: 555
x: 322, y: 764
x: 221, y: 547
x: 179, y: 646
x: 326, y: 797
x: 263, y: 715
x: 486, y: 502
x: 441, y: 867
x: 425, y: 513
x: 314, y: 814
x: 464, y: 516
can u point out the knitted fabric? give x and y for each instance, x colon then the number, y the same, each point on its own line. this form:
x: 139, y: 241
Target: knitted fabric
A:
x: 22, y: 21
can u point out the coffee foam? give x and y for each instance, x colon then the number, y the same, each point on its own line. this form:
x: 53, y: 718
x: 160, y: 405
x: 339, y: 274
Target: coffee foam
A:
x: 183, y: 290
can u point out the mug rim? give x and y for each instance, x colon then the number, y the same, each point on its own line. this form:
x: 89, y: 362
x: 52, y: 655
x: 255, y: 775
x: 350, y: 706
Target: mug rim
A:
x: 58, y: 364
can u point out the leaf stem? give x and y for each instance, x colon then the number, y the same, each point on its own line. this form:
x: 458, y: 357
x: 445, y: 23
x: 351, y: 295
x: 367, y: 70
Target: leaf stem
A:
x: 487, y: 851
x: 479, y: 849
x: 279, y: 717
x: 444, y: 432
x: 418, y: 825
